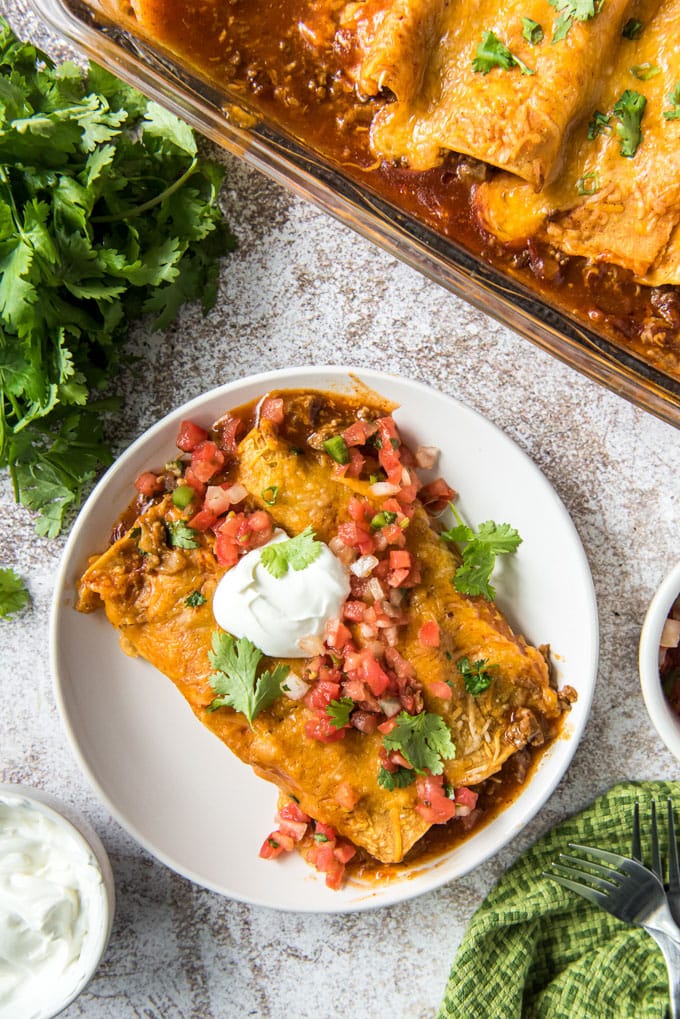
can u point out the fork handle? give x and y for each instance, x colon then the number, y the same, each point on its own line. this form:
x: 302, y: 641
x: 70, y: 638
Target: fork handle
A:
x: 671, y: 953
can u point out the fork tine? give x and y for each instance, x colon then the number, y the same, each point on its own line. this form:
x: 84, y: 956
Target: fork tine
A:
x: 565, y: 869
x: 624, y: 863
x: 657, y: 865
x: 673, y: 864
x: 635, y: 846
x: 583, y: 890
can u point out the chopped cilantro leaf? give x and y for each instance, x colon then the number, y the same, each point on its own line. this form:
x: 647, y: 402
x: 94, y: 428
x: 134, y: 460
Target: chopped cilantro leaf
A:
x: 569, y: 11
x: 674, y: 100
x: 296, y: 553
x: 532, y: 31
x: 383, y: 518
x: 235, y: 679
x: 320, y: 837
x: 195, y: 600
x: 598, y: 123
x: 629, y: 110
x: 398, y: 779
x: 424, y: 740
x: 632, y: 29
x: 491, y: 52
x: 338, y: 712
x: 13, y: 593
x: 180, y: 535
x: 479, y: 553
x: 477, y: 676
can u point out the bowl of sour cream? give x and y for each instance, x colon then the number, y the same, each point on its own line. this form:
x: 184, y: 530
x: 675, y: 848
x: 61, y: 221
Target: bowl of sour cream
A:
x: 57, y: 903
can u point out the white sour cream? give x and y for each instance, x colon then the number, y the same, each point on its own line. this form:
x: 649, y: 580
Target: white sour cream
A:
x: 277, y: 613
x: 51, y: 896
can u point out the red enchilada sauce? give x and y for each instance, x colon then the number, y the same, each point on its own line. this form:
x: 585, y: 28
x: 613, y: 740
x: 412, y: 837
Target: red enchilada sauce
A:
x: 289, y: 65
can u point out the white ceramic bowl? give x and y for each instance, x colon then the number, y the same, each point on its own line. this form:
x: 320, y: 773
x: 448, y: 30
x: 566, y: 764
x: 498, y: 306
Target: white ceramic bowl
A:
x: 665, y: 721
x: 78, y: 839
x: 179, y: 791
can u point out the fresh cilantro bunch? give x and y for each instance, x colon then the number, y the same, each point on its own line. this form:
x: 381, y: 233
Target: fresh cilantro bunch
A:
x: 107, y: 214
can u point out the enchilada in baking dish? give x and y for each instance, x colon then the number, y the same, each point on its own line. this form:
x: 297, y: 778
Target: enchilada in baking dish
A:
x: 543, y: 137
x: 288, y: 574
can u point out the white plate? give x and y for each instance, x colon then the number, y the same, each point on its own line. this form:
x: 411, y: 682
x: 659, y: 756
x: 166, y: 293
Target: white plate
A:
x: 178, y: 790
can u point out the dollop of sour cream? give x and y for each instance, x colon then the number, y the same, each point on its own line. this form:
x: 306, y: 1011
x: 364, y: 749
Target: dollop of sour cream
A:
x: 51, y: 896
x: 276, y: 613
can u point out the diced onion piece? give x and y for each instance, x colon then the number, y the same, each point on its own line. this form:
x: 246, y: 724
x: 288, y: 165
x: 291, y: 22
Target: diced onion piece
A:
x: 294, y: 686
x: 343, y: 552
x: 670, y: 635
x: 364, y: 565
x: 236, y: 493
x: 384, y: 488
x: 405, y: 476
x: 426, y: 456
x: 391, y: 635
x: 390, y: 706
x: 375, y: 589
x: 312, y: 645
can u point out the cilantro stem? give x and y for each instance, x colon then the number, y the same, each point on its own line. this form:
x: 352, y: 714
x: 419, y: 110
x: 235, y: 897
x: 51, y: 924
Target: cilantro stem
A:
x: 139, y: 210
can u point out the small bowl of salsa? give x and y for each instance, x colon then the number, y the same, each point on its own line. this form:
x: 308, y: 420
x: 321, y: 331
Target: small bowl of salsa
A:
x: 660, y: 660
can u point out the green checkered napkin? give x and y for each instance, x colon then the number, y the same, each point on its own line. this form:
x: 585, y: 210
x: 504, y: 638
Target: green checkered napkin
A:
x: 537, y: 951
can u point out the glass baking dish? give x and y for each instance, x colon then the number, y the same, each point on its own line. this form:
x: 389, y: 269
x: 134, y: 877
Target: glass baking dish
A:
x: 223, y: 116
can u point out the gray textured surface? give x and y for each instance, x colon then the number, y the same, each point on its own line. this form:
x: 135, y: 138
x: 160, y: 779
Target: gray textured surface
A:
x: 303, y: 290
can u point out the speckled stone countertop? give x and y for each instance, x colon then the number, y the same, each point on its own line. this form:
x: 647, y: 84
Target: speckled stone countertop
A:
x: 304, y: 290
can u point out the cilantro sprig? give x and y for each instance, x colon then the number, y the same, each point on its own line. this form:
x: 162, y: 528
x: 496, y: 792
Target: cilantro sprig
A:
x: 477, y: 676
x: 424, y: 740
x: 180, y: 535
x: 13, y: 593
x: 235, y: 680
x: 399, y: 779
x: 480, y: 549
x: 491, y: 52
x: 569, y: 11
x: 295, y: 553
x: 628, y: 111
x: 107, y: 214
x: 338, y: 712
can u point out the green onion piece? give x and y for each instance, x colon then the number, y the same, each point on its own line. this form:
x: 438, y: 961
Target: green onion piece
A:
x: 383, y: 518
x: 270, y: 495
x: 632, y: 29
x: 336, y: 447
x: 643, y: 72
x: 182, y: 496
x: 588, y: 184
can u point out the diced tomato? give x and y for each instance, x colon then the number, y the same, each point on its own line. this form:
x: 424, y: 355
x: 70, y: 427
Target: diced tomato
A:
x: 322, y: 729
x: 356, y: 463
x: 191, y: 479
x: 359, y: 433
x: 374, y: 675
x: 356, y: 535
x: 149, y: 484
x: 202, y: 520
x: 394, y: 535
x: 434, y: 805
x: 347, y: 796
x: 441, y: 690
x: 397, y: 577
x: 344, y: 851
x: 387, y: 726
x: 287, y: 826
x: 206, y: 460
x: 260, y: 522
x: 436, y: 495
x: 292, y: 811
x: 388, y: 430
x: 354, y: 611
x: 400, y: 559
x: 190, y: 436
x: 226, y: 550
x: 358, y: 510
x: 428, y: 634
x: 466, y: 797
x: 365, y: 721
x: 275, y: 844
x: 407, y: 496
x: 336, y: 634
x: 326, y: 830
x: 271, y: 409
x: 321, y: 694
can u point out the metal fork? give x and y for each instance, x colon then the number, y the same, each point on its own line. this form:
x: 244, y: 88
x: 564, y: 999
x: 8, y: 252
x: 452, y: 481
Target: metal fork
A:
x: 632, y: 893
x: 673, y: 886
